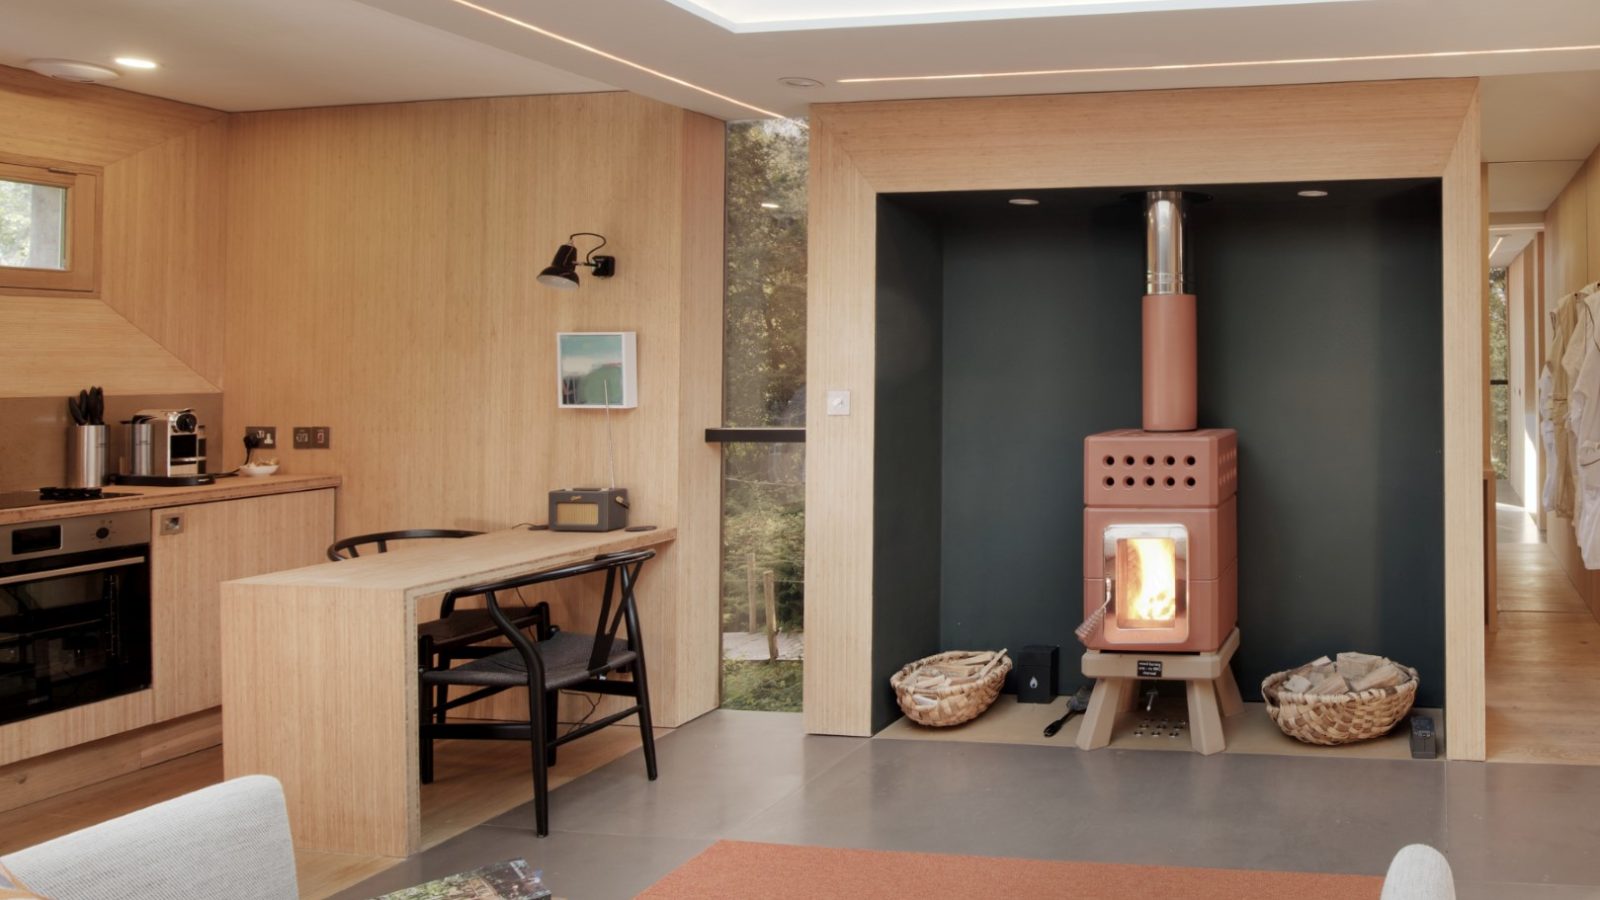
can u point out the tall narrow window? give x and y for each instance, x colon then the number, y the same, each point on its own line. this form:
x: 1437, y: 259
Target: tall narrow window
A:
x: 1499, y: 392
x: 763, y: 468
x: 49, y: 218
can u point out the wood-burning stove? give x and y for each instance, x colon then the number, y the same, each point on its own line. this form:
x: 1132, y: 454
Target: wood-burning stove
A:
x: 1159, y: 539
x: 1160, y: 535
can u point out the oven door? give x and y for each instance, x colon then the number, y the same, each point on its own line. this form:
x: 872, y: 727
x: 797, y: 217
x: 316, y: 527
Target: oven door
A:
x: 74, y: 629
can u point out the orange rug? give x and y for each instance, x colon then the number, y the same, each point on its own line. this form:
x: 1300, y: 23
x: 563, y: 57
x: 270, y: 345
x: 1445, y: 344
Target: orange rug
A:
x: 779, y: 871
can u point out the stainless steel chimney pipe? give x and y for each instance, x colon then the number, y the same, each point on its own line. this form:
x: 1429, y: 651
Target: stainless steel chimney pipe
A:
x: 1166, y: 255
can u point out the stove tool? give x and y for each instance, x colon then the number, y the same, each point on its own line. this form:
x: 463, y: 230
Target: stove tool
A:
x: 1077, y: 703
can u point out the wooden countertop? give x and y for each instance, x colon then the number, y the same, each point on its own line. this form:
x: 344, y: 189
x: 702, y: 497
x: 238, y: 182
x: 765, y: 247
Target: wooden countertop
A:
x: 443, y: 565
x: 233, y: 488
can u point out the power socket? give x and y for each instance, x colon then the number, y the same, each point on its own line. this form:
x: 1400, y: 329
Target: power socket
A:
x: 302, y: 438
x: 266, y: 434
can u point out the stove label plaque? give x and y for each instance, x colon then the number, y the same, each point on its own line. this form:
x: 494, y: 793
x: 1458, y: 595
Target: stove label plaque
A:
x: 1149, y: 668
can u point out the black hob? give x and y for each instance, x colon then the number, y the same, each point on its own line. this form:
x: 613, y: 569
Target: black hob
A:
x: 47, y: 496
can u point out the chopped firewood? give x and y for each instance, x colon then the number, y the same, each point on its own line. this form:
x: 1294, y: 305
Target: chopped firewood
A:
x: 1355, y: 666
x: 1297, y: 684
x: 1333, y: 684
x: 1386, y: 675
x: 1320, y: 661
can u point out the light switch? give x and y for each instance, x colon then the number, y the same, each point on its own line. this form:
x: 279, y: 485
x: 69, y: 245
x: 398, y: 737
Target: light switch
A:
x: 838, y: 403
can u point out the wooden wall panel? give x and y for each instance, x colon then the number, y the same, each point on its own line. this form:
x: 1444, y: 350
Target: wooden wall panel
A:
x: 163, y: 239
x: 1466, y: 287
x: 1285, y: 133
x: 1309, y: 132
x: 160, y: 253
x: 1590, y: 175
x: 697, y: 669
x: 380, y: 281
x: 1566, y: 268
x: 86, y: 123
x: 57, y: 345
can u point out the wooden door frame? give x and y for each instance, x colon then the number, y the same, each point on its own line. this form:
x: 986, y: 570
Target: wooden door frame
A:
x: 1323, y: 132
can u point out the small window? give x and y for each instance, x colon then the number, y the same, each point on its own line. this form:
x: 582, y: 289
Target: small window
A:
x: 49, y: 222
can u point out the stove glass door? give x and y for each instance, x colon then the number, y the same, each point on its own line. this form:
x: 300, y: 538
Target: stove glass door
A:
x: 1149, y: 569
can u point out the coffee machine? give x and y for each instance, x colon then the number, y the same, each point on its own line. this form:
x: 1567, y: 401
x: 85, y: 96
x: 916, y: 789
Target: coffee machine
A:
x: 164, y: 446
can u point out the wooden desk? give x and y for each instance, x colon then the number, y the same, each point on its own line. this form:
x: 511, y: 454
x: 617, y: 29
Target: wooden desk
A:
x: 319, y: 677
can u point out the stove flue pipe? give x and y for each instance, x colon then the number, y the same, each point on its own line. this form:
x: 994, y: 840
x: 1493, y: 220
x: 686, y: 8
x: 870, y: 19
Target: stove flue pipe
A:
x: 1169, y: 318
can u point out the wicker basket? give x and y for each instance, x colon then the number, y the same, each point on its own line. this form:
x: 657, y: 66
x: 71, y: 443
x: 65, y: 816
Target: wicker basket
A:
x: 1332, y: 719
x: 950, y: 688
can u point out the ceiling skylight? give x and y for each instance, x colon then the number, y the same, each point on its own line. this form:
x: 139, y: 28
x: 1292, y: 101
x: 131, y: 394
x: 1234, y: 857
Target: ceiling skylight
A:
x: 800, y: 15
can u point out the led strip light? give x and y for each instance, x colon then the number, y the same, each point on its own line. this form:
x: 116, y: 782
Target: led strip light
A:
x: 1249, y: 63
x: 545, y: 32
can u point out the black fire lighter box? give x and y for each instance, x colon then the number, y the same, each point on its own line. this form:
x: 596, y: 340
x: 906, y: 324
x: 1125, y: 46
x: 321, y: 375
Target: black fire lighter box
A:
x: 1037, y: 669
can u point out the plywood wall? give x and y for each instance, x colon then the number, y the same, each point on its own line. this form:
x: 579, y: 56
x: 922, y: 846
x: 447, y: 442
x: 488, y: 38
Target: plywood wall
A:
x: 155, y: 327
x: 381, y: 265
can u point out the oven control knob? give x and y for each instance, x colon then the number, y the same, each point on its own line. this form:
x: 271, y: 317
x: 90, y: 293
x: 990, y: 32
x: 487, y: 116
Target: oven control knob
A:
x: 102, y: 532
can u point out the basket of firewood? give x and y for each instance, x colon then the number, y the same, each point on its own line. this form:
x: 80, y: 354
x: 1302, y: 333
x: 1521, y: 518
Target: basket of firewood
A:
x: 950, y: 688
x: 1354, y: 697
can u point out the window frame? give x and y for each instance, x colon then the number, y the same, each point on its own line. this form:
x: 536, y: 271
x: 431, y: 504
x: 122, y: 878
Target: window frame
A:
x: 81, y: 237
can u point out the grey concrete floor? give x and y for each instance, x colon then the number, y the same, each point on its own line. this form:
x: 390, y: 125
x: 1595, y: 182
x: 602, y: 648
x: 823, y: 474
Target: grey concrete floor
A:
x: 1512, y: 831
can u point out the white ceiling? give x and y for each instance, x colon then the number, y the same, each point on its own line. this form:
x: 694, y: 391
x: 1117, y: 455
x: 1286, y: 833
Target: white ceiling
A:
x: 273, y: 54
x: 264, y: 54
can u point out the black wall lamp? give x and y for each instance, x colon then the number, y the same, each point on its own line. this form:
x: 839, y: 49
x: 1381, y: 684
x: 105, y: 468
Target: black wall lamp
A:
x: 562, y: 273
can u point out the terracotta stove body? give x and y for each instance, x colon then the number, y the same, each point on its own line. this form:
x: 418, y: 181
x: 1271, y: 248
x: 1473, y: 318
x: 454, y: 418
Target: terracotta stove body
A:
x: 1160, y: 536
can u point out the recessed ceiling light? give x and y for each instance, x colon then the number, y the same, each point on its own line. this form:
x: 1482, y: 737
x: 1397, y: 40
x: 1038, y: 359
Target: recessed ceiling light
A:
x: 72, y: 70
x: 1312, y: 193
x: 135, y: 62
x: 768, y: 204
x: 1023, y: 201
x: 797, y: 81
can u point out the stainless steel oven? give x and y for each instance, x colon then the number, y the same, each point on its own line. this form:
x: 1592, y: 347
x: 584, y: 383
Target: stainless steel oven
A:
x: 74, y: 612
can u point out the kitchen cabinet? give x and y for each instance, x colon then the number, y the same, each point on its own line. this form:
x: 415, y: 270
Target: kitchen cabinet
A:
x: 193, y: 549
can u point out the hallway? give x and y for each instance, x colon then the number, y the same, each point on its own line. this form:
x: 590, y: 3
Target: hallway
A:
x: 1544, y: 661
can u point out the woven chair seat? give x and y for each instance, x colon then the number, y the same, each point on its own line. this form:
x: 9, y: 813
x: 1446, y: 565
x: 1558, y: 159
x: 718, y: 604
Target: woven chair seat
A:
x: 566, y: 663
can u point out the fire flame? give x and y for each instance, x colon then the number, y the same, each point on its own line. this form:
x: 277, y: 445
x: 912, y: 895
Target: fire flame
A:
x: 1152, y: 583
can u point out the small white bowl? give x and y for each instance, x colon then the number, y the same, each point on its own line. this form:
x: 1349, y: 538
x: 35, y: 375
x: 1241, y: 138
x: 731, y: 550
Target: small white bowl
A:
x: 257, y: 470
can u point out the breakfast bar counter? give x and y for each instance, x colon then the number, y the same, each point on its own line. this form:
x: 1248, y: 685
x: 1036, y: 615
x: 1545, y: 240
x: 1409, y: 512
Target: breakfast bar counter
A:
x: 319, y: 676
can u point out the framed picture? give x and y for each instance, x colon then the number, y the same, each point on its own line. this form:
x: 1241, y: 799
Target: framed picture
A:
x: 597, y: 367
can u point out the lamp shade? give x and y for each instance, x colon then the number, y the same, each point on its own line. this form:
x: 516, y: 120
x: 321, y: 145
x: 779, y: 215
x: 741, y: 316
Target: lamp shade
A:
x: 562, y: 273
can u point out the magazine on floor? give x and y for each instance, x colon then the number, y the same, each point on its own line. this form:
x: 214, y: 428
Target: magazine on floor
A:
x: 510, y: 880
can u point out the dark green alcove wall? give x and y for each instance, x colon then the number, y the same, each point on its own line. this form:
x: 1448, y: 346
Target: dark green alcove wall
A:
x: 1006, y: 334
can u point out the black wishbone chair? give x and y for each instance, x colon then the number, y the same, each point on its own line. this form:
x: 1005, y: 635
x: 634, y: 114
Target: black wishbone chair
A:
x: 559, y: 660
x: 456, y: 631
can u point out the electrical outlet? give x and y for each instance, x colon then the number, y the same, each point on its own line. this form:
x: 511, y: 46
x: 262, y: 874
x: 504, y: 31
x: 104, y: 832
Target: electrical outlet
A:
x: 302, y: 438
x: 321, y: 437
x: 266, y: 434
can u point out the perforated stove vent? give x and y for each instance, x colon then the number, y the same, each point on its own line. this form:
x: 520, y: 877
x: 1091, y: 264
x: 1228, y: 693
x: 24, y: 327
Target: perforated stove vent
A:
x: 1140, y: 468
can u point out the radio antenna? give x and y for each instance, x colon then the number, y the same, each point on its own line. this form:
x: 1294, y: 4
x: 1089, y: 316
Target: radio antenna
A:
x: 611, y: 453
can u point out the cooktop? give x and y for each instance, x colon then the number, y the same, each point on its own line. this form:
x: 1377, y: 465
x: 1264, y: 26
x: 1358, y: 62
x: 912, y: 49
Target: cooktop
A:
x: 47, y: 496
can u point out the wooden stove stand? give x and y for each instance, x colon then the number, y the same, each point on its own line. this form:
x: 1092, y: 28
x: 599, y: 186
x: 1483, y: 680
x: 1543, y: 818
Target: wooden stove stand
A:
x: 1212, y: 690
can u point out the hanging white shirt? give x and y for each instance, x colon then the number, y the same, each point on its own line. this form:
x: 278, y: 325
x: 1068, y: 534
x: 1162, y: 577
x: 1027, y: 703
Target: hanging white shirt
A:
x: 1583, y: 416
x: 1554, y: 427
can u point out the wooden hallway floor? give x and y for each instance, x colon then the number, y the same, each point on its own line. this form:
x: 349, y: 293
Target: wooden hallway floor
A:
x: 1543, y: 663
